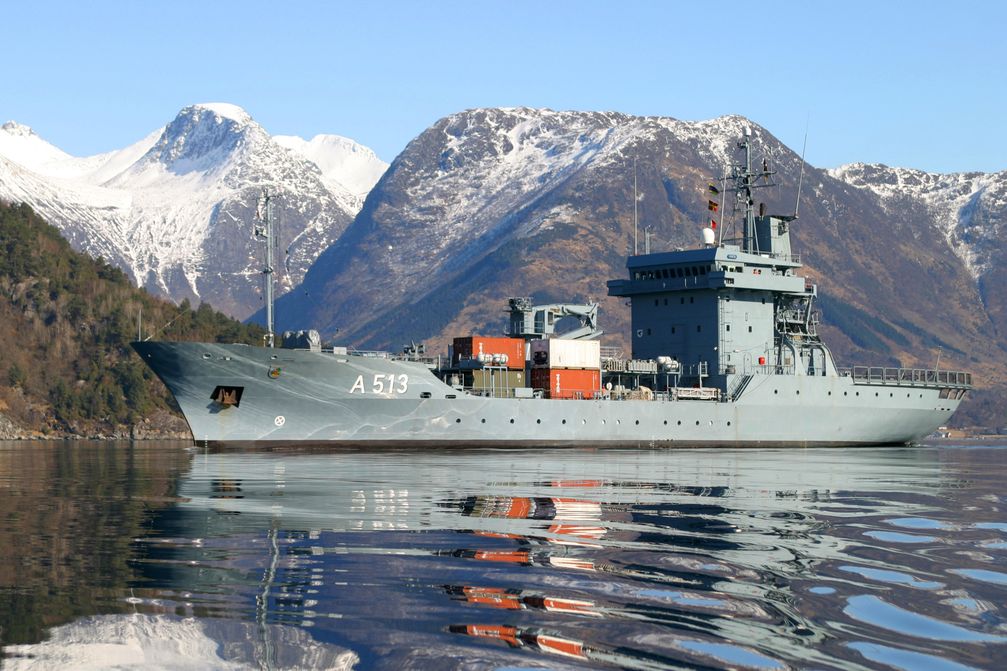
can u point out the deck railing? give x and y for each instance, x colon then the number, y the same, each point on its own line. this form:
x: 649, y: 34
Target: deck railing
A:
x: 908, y: 377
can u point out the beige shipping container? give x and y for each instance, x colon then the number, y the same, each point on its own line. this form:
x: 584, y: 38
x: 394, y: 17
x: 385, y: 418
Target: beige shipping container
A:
x: 560, y: 353
x: 498, y: 379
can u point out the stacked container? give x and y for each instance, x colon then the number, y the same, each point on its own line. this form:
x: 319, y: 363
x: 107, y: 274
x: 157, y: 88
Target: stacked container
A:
x: 566, y: 368
x: 489, y: 351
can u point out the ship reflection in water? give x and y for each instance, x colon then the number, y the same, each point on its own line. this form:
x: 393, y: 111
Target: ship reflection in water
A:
x: 854, y: 559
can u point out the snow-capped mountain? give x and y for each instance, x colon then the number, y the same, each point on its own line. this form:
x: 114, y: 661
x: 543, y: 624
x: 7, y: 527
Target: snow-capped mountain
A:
x: 969, y: 209
x: 492, y: 203
x: 175, y: 210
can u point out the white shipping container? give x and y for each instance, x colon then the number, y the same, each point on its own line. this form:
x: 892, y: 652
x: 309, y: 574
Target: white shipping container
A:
x: 560, y: 353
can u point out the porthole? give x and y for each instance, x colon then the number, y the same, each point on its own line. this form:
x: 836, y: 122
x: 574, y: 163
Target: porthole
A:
x: 604, y: 421
x: 729, y: 422
x: 845, y: 393
x: 564, y: 421
x: 776, y: 391
x: 638, y: 422
x: 830, y: 393
x: 618, y: 421
x: 538, y: 421
x: 458, y: 421
x: 858, y: 393
x: 583, y: 421
x: 891, y: 395
x: 680, y: 422
x: 697, y: 422
x: 512, y: 421
x: 206, y: 355
x: 798, y: 392
x: 483, y: 420
x: 666, y: 422
x: 875, y: 394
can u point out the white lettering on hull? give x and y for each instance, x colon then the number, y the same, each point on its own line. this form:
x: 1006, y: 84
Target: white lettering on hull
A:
x: 383, y: 384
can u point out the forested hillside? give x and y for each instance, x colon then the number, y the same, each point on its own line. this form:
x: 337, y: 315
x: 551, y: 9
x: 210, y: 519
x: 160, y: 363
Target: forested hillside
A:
x: 66, y: 321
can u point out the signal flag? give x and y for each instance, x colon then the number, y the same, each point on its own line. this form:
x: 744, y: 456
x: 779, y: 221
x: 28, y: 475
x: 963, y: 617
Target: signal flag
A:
x: 714, y: 190
x: 713, y: 206
x: 713, y: 224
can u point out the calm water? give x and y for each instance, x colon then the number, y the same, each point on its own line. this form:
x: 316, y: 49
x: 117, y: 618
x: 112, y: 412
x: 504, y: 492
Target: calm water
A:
x: 157, y: 556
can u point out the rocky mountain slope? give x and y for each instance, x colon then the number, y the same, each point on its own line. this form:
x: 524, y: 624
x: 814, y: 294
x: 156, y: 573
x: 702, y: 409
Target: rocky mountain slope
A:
x: 493, y: 203
x: 175, y: 210
x: 968, y: 209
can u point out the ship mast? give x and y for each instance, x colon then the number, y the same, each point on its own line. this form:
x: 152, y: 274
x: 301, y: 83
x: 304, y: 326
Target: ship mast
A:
x: 745, y: 179
x: 265, y: 232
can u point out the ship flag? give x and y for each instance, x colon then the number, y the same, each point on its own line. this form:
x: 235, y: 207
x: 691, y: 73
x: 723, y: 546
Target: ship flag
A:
x: 713, y: 224
x: 713, y: 207
x: 713, y: 189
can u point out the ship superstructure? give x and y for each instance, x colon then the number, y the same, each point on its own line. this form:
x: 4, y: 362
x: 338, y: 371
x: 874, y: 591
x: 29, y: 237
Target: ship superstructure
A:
x: 725, y: 352
x: 726, y: 312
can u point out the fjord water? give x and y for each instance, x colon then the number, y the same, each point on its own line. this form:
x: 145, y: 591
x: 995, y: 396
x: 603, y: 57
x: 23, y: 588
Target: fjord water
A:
x: 154, y: 555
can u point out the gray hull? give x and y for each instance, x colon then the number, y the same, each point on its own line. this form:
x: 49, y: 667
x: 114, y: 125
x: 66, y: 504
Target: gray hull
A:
x: 299, y: 397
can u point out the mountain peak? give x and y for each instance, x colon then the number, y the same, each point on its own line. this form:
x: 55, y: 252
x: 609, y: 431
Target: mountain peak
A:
x: 201, y: 136
x: 224, y: 110
x: 18, y: 129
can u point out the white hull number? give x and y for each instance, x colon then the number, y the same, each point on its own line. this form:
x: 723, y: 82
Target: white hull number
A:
x: 383, y: 384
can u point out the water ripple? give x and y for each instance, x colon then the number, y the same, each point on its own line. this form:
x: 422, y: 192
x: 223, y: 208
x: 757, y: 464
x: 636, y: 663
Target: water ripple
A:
x: 875, y: 611
x: 455, y: 559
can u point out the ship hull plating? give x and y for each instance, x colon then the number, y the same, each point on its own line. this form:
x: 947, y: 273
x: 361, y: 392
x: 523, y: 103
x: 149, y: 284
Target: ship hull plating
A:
x: 235, y: 395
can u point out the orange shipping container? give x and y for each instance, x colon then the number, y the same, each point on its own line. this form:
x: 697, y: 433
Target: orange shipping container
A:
x: 566, y: 383
x: 470, y: 347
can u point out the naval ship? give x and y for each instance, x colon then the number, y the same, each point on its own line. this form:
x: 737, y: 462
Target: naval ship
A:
x: 725, y: 353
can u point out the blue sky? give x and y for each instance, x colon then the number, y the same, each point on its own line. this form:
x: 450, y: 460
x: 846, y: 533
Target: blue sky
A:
x: 917, y: 84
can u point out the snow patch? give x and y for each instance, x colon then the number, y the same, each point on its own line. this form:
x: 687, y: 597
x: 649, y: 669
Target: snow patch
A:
x: 227, y: 111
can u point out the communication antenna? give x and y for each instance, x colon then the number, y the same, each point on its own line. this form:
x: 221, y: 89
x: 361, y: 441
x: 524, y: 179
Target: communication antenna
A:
x: 265, y: 232
x: 800, y: 180
x: 636, y: 215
